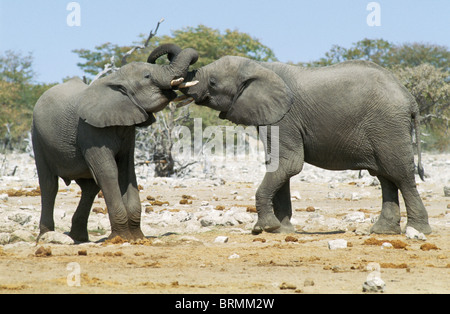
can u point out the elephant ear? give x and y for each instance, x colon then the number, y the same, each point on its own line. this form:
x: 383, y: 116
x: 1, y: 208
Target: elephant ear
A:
x: 107, y: 103
x: 263, y: 97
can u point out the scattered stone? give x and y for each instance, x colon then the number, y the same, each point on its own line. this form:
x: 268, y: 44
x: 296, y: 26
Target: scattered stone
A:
x: 287, y: 286
x: 99, y: 210
x: 221, y: 239
x: 374, y: 284
x: 251, y: 209
x: 43, y: 252
x: 4, y: 197
x: 428, y: 246
x: 159, y: 203
x: 56, y: 238
x: 309, y: 282
x: 262, y: 240
x: 295, y: 195
x: 220, y: 207
x: 291, y: 239
x: 82, y: 252
x: 204, y: 203
x: 397, y: 244
x: 310, y: 209
x: 447, y: 191
x: 355, y: 217
x: 185, y: 201
x: 387, y: 245
x: 412, y: 233
x: 20, y: 218
x: 234, y: 256
x: 4, y: 238
x: 337, y: 244
x: 21, y: 235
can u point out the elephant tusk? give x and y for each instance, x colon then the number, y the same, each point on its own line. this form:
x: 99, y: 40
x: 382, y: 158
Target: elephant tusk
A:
x: 183, y: 100
x: 188, y: 84
x: 176, y: 82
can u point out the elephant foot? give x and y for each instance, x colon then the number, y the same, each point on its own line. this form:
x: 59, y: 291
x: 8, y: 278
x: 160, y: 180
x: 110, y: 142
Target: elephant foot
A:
x: 267, y: 222
x: 423, y: 227
x: 137, y: 234
x: 383, y: 226
x: 43, y: 230
x: 124, y: 235
x: 286, y: 227
x: 79, y: 237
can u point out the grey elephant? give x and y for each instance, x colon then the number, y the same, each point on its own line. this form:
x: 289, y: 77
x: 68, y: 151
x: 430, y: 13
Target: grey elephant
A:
x: 87, y: 134
x: 354, y: 115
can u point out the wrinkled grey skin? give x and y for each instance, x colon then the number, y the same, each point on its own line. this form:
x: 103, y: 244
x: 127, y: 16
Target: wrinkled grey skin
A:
x: 353, y: 115
x: 87, y: 134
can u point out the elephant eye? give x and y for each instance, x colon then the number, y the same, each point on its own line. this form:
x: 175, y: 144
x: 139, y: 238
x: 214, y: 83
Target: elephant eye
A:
x: 212, y: 82
x: 147, y: 76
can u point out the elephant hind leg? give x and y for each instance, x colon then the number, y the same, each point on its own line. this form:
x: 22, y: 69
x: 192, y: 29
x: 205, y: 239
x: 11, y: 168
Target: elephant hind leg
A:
x: 389, y: 220
x: 417, y: 216
x: 48, y: 184
x: 89, y: 190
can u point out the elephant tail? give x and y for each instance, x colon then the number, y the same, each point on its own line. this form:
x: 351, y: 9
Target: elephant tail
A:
x: 416, y: 118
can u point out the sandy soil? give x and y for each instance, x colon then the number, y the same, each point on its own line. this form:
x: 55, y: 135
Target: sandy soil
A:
x: 266, y: 263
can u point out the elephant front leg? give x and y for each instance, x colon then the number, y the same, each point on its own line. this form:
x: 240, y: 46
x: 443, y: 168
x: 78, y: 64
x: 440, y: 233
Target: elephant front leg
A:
x: 282, y: 207
x: 130, y: 193
x: 271, y: 195
x: 103, y: 166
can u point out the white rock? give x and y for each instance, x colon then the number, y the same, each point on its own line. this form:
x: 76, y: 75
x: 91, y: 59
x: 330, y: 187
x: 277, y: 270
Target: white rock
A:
x: 221, y: 239
x: 21, y: 236
x: 337, y: 244
x: 412, y: 233
x: 295, y: 195
x: 204, y: 203
x: 20, y: 218
x: 4, y: 238
x: 4, y: 197
x: 373, y: 284
x: 386, y: 245
x: 355, y: 217
x: 56, y: 238
x: 233, y: 256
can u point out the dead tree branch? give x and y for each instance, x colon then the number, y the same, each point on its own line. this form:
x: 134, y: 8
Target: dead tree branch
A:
x: 150, y: 36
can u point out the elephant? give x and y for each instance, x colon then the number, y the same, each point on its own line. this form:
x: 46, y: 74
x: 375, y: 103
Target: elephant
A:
x: 86, y: 133
x: 353, y: 115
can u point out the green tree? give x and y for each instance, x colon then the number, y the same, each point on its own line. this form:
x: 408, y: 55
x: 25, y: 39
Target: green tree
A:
x: 210, y: 43
x: 18, y: 95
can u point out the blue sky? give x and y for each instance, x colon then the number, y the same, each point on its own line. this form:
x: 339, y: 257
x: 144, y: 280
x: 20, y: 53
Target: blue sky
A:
x: 295, y: 30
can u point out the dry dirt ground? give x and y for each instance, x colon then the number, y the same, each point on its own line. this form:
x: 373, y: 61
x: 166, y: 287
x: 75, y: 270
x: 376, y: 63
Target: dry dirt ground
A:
x: 266, y: 263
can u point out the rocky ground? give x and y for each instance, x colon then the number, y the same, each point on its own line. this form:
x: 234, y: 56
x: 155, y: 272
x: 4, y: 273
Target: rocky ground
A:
x: 199, y: 240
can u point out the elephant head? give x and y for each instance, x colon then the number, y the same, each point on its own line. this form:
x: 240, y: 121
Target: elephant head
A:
x: 244, y: 91
x: 131, y: 95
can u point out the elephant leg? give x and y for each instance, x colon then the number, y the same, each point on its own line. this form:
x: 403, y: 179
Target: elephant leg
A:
x: 130, y: 195
x: 389, y: 220
x: 417, y: 216
x: 48, y: 184
x: 89, y: 190
x: 273, y: 194
x: 103, y: 166
x: 282, y: 207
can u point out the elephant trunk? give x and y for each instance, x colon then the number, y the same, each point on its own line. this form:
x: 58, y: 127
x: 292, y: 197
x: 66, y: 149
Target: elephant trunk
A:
x: 180, y: 60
